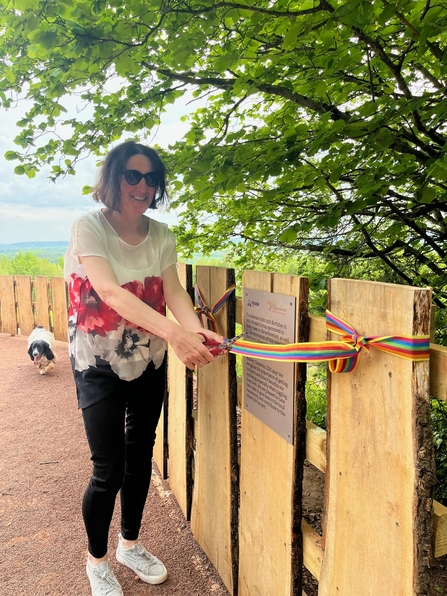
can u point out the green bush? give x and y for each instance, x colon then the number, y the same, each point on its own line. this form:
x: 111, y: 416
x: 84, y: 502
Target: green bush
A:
x: 29, y: 263
x: 316, y: 394
x: 438, y: 421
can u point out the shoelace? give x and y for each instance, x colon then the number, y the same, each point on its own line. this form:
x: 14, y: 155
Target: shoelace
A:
x: 107, y: 576
x: 147, y: 560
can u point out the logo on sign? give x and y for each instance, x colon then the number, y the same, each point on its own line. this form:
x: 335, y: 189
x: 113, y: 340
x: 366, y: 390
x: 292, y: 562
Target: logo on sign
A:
x: 273, y: 307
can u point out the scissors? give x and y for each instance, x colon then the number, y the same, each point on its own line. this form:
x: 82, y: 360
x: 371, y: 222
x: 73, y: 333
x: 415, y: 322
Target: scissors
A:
x: 219, y: 349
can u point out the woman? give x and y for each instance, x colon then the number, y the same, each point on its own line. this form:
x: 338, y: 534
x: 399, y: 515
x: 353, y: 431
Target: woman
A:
x: 121, y: 270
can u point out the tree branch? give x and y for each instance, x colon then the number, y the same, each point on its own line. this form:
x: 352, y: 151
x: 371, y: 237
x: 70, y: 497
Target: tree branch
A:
x: 170, y: 7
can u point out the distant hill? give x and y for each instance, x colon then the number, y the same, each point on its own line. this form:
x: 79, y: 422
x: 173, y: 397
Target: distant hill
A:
x: 33, y: 245
x: 52, y: 251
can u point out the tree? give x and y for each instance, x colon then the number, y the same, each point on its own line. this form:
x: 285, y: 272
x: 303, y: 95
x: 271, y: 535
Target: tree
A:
x: 323, y: 129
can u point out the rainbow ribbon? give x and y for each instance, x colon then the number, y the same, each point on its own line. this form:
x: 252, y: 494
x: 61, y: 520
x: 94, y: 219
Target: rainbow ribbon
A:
x: 342, y: 356
x: 202, y: 309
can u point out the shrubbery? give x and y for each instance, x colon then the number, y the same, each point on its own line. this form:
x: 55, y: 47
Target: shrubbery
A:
x: 28, y: 263
x: 439, y: 428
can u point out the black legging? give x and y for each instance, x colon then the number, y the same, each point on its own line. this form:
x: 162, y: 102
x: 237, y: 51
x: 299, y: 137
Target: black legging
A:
x: 121, y: 433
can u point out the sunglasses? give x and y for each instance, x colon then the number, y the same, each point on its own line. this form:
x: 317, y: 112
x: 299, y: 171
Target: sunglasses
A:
x: 133, y: 177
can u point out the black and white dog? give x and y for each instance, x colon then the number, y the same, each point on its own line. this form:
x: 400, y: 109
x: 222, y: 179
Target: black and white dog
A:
x: 40, y: 344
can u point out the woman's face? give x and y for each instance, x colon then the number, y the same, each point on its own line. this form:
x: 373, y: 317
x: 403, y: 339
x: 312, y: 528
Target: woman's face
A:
x: 137, y: 198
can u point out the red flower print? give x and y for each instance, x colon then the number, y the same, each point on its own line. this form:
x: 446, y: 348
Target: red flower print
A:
x: 153, y: 294
x: 93, y: 315
x: 75, y: 293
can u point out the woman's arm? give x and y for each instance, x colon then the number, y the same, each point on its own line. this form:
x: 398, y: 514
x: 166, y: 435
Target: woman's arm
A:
x: 186, y: 343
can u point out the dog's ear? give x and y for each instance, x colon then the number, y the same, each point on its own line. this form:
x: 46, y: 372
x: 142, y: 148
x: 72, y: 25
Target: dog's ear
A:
x: 30, y: 352
x: 48, y: 353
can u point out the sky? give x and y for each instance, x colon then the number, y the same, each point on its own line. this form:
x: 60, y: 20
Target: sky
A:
x: 38, y: 210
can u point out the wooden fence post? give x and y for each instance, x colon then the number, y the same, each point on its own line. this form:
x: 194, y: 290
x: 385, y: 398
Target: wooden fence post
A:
x: 59, y: 308
x: 378, y: 522
x: 24, y: 304
x: 42, y: 301
x: 173, y: 428
x: 8, y: 305
x: 271, y: 548
x: 214, y: 507
x: 180, y: 423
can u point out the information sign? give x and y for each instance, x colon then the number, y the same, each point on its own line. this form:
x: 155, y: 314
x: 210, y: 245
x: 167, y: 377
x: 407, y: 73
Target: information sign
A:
x: 269, y: 386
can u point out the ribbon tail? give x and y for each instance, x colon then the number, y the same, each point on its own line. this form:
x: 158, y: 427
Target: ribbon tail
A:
x: 344, y: 365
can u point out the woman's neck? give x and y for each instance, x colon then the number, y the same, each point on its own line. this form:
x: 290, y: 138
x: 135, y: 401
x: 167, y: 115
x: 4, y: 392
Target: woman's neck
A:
x: 132, y: 230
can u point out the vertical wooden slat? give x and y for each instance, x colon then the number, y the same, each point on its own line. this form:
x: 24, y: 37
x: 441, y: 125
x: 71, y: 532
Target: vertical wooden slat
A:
x: 42, y: 301
x: 438, y: 372
x: 271, y: 478
x: 214, y: 506
x: 377, y: 533
x: 59, y: 308
x: 180, y: 435
x: 439, y: 529
x: 160, y: 454
x: 24, y: 304
x: 8, y: 305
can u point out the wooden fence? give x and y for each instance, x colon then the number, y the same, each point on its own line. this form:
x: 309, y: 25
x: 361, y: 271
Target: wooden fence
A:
x: 239, y: 483
x: 26, y: 303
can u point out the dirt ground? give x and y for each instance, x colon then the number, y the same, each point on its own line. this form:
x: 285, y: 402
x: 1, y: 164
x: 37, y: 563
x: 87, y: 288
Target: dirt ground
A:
x: 44, y: 468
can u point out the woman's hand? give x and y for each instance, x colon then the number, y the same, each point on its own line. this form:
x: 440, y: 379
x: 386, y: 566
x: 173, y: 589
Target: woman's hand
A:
x: 189, y: 346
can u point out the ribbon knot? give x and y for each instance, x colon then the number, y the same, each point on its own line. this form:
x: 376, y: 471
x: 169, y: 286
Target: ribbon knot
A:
x: 360, y: 342
x: 410, y: 347
x: 202, y: 310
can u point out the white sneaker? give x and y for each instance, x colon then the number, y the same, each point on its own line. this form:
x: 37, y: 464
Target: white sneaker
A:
x: 148, y: 568
x: 102, y: 580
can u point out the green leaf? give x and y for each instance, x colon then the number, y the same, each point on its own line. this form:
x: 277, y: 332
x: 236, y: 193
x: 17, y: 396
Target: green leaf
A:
x: 291, y: 37
x: 46, y: 39
x: 177, y: 185
x: 11, y: 155
x: 288, y: 236
x: 388, y: 12
x: 429, y: 194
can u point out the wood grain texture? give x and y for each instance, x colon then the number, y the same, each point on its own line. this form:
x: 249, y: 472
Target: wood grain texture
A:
x: 160, y: 454
x: 180, y: 433
x: 438, y: 372
x: 440, y: 529
x: 380, y: 455
x: 59, y: 308
x: 24, y: 304
x: 271, y: 476
x: 8, y: 309
x: 42, y: 302
x: 214, y: 506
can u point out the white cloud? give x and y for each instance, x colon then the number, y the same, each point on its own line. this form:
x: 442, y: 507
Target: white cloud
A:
x: 37, y: 209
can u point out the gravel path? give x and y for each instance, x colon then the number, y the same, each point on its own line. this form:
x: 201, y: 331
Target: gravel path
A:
x: 44, y: 468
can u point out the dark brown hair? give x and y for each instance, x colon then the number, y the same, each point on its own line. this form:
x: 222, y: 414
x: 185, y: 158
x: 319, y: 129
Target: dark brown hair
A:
x: 107, y: 189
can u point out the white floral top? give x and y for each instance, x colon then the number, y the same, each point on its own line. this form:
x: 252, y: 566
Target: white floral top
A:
x: 98, y: 334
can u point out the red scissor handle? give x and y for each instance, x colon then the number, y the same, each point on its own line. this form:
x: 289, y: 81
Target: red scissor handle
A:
x: 215, y: 348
